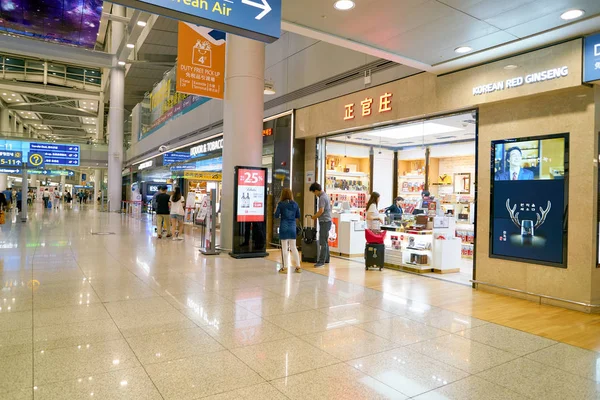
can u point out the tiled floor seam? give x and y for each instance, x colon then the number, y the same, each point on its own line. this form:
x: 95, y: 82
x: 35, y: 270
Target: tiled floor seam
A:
x: 126, y: 341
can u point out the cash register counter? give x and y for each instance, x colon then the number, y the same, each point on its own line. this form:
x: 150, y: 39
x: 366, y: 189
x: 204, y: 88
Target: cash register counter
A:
x: 349, y: 237
x: 429, y: 250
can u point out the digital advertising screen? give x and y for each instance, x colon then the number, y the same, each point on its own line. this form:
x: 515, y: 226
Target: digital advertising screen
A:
x: 529, y: 199
x: 251, y: 195
x: 73, y: 22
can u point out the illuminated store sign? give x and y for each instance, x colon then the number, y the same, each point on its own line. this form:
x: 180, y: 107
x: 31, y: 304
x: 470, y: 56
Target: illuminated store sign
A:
x: 206, y: 147
x: 145, y: 165
x: 512, y: 83
x: 366, y: 107
x: 591, y: 58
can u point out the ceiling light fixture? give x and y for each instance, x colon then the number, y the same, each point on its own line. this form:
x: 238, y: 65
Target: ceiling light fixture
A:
x: 130, y: 45
x: 141, y: 23
x: 571, y: 14
x: 269, y: 89
x: 463, y: 49
x: 344, y: 5
x: 511, y: 66
x: 121, y: 63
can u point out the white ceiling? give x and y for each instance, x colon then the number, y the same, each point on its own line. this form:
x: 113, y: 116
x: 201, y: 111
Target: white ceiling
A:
x: 454, y: 128
x: 426, y: 32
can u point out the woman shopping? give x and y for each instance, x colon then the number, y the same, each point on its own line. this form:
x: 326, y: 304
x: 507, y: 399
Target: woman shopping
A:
x: 177, y: 214
x: 289, y: 212
x: 373, y: 216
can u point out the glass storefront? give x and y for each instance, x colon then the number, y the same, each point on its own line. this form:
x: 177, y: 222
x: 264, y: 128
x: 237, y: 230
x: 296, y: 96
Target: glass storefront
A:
x: 424, y: 172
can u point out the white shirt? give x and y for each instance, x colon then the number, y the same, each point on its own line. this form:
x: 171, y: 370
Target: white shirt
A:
x: 177, y: 207
x: 373, y: 220
x: 46, y: 194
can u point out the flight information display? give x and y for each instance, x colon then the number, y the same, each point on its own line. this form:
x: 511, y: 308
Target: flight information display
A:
x: 13, y: 153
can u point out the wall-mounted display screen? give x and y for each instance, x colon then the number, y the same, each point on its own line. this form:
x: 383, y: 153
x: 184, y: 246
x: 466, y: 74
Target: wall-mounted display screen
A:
x: 529, y: 199
x: 65, y: 21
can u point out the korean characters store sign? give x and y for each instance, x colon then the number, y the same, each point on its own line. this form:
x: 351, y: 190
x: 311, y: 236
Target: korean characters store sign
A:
x: 368, y: 107
x: 200, y: 61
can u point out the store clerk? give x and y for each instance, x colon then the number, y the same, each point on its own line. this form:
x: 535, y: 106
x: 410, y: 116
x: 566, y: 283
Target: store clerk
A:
x: 395, y: 210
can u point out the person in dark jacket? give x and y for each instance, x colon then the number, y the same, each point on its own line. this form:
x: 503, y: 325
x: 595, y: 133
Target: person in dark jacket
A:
x: 395, y: 210
x: 289, y: 212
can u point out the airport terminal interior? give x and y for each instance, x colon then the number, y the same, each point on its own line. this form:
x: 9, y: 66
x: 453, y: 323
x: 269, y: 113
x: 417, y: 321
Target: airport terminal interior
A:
x: 299, y: 199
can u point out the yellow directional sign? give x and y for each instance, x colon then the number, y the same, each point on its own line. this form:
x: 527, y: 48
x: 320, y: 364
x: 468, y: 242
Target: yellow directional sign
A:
x: 203, y: 176
x: 36, y: 159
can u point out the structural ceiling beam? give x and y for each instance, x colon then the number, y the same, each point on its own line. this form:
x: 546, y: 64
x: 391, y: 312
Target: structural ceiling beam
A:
x: 36, y: 88
x: 55, y: 52
x: 57, y: 123
x: 67, y: 112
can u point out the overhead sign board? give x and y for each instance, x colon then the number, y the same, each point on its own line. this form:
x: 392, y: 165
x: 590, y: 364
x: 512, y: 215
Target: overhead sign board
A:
x: 200, y: 61
x: 591, y: 58
x: 175, y: 157
x: 37, y: 171
x: 254, y: 19
x: 66, y: 155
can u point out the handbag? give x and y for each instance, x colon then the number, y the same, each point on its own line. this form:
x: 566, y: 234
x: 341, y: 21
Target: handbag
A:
x: 374, y: 237
x: 2, y: 217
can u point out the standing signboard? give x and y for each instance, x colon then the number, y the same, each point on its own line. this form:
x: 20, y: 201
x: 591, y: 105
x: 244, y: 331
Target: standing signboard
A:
x: 250, y: 212
x: 200, y: 61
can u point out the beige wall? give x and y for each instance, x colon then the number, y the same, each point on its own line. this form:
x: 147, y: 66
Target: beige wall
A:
x: 573, y: 112
x: 425, y: 94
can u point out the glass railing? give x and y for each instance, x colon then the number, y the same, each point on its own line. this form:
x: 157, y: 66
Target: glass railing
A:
x: 35, y: 69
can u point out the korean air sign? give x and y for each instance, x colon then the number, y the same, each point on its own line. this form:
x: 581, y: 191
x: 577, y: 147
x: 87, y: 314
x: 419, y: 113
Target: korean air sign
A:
x: 591, y: 58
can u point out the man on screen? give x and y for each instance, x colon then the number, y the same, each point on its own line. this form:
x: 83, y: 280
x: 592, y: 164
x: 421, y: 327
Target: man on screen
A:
x: 516, y: 172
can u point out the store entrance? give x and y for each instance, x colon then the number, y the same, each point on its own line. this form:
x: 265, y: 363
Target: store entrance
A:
x: 425, y: 174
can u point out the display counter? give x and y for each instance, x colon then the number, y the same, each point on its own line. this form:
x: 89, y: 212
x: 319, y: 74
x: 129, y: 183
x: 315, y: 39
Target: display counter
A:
x: 347, y: 238
x: 424, y: 250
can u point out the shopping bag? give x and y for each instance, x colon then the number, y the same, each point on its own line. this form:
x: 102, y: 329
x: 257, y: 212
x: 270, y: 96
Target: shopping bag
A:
x: 374, y: 237
x: 49, y: 204
x: 2, y: 217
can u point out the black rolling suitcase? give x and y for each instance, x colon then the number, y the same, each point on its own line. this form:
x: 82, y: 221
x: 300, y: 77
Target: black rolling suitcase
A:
x: 310, y: 244
x: 374, y: 256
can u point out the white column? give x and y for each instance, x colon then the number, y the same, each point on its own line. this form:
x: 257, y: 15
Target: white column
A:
x: 63, y: 183
x: 115, y: 118
x: 97, y: 183
x: 3, y: 182
x: 242, y: 119
x: 14, y: 124
x: 5, y: 126
x: 21, y: 129
x: 100, y: 120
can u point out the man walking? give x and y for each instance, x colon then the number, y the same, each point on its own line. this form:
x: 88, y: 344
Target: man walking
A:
x: 163, y: 212
x: 324, y: 216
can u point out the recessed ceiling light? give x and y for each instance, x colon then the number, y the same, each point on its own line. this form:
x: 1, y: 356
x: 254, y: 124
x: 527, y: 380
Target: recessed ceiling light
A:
x: 130, y: 45
x: 344, y: 5
x: 511, y: 66
x: 121, y: 63
x: 463, y: 49
x: 141, y: 23
x: 13, y: 94
x: 3, y: 94
x: 571, y: 14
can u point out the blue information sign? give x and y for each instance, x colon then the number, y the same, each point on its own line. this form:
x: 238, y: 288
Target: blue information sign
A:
x: 591, y: 58
x: 255, y: 19
x: 177, y: 157
x: 38, y: 154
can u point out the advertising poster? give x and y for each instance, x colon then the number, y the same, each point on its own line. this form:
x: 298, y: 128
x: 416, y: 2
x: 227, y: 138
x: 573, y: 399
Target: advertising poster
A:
x: 200, y: 61
x: 528, y: 215
x: 251, y: 195
x: 333, y: 233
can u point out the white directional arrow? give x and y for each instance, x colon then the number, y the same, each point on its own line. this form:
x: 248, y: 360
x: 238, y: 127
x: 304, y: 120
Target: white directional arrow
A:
x: 262, y: 4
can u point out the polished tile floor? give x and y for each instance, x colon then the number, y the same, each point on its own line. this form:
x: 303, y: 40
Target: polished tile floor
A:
x: 93, y: 305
